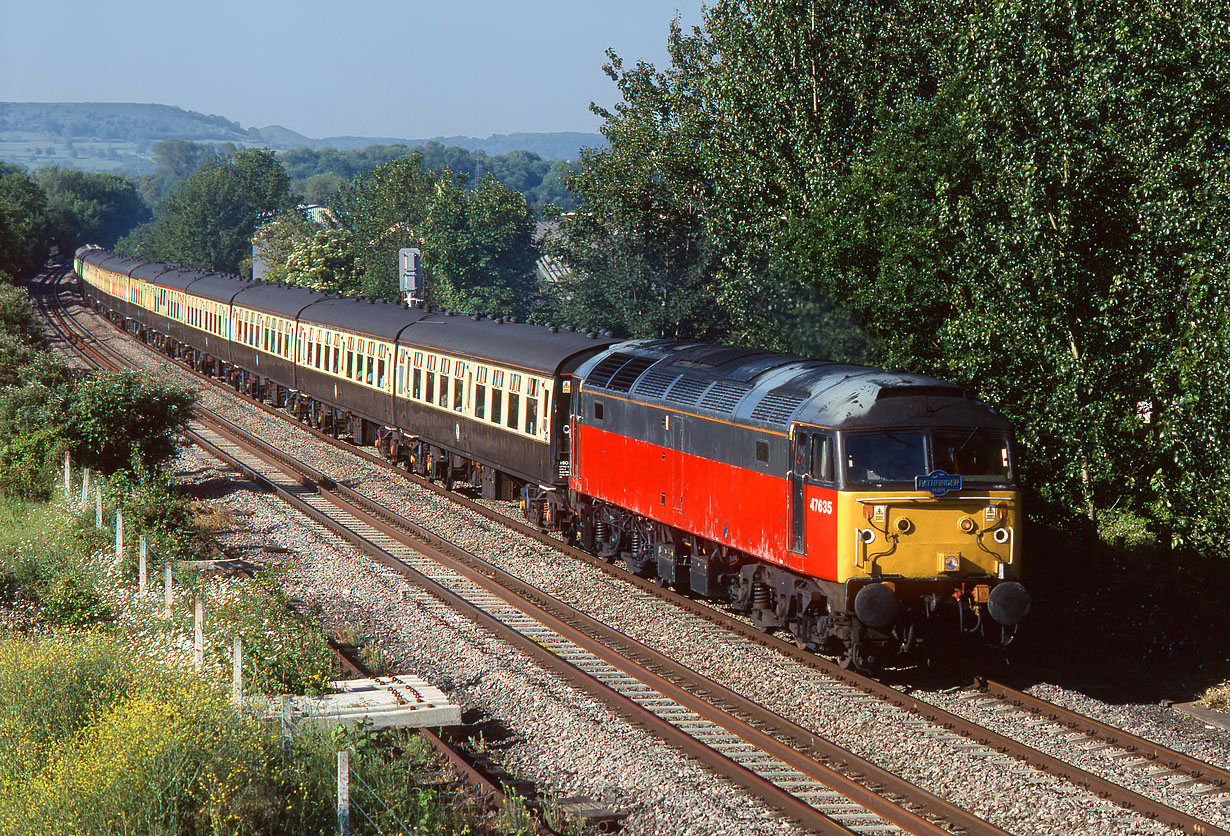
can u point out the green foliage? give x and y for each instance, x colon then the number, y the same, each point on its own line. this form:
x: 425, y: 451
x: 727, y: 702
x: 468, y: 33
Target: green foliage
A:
x: 71, y: 602
x: 209, y: 219
x: 27, y: 463
x: 18, y: 316
x: 302, y: 253
x: 24, y: 224
x: 125, y: 420
x: 90, y: 208
x: 154, y: 506
x: 479, y: 247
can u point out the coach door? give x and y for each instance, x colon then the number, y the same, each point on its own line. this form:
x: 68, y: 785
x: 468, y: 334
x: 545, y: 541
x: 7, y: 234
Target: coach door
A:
x: 800, y: 458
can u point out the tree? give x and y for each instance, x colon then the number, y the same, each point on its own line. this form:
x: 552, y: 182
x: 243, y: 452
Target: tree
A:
x: 24, y: 226
x: 637, y: 252
x: 479, y: 247
x: 209, y: 220
x: 384, y: 210
x: 90, y: 208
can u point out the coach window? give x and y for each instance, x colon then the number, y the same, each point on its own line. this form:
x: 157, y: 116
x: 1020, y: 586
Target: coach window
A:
x: 497, y: 401
x: 480, y: 401
x: 371, y: 368
x: 384, y: 353
x: 531, y: 407
x: 350, y: 358
x: 401, y: 375
x: 417, y: 391
x: 459, y: 388
x: 337, y: 353
x: 514, y: 403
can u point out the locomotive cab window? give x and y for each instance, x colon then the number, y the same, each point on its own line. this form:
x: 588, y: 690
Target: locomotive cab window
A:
x: 822, y: 458
x: 762, y: 452
x: 597, y: 410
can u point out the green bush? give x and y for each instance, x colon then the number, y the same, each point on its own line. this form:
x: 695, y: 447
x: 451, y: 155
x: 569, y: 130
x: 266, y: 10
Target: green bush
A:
x: 27, y: 463
x: 125, y: 420
x: 18, y: 316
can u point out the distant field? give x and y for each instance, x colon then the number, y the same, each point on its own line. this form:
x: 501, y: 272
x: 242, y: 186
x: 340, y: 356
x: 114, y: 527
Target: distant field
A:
x: 39, y: 151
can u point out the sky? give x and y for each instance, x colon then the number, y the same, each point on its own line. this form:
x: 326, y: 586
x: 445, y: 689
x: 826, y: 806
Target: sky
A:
x: 378, y: 68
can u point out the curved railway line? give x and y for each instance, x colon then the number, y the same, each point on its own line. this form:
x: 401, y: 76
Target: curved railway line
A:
x: 778, y: 760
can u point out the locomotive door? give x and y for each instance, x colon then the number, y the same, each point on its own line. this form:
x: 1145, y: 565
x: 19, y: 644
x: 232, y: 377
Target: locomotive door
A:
x: 800, y: 457
x: 675, y: 436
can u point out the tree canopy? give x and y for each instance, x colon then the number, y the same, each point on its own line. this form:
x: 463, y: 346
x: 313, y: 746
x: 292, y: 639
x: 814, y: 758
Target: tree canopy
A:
x: 1025, y: 198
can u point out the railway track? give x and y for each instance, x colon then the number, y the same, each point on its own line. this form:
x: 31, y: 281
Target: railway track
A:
x: 1203, y: 778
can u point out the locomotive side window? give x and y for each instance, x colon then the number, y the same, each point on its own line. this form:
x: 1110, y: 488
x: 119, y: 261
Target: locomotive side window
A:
x: 762, y: 452
x: 597, y: 410
x: 822, y: 458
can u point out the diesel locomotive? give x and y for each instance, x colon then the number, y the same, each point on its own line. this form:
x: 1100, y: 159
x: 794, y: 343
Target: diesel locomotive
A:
x: 871, y: 514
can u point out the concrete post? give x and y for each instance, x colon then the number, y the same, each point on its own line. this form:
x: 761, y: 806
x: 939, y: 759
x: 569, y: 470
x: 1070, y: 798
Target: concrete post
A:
x: 98, y: 507
x: 168, y: 590
x: 141, y: 566
x: 198, y: 636
x: 237, y: 673
x: 119, y: 538
x: 85, y: 490
x: 343, y: 793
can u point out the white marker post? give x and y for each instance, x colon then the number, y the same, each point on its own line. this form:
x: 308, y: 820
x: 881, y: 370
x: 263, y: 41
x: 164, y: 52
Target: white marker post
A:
x: 68, y: 478
x: 237, y: 673
x: 168, y: 590
x: 198, y: 636
x: 85, y: 490
x: 141, y: 566
x: 119, y: 538
x: 343, y: 793
x: 98, y: 508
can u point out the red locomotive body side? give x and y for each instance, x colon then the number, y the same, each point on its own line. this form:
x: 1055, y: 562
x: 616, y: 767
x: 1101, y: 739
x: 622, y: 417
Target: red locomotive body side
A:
x: 725, y: 504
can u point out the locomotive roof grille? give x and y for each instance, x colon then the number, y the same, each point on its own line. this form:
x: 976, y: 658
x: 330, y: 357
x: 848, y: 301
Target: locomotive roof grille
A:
x: 687, y: 390
x: 623, y: 379
x: 602, y: 373
x: 778, y: 406
x: 724, y: 397
x: 653, y: 384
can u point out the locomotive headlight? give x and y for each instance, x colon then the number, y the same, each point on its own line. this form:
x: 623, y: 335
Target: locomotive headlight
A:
x: 967, y: 525
x: 904, y: 525
x: 952, y: 562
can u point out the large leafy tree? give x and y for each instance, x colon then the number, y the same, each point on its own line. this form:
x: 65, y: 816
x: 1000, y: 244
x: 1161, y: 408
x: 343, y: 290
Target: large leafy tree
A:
x: 384, y: 209
x: 209, y: 220
x: 24, y: 224
x: 480, y: 252
x: 90, y: 208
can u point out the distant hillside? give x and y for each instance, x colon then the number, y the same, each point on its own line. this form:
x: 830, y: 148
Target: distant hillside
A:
x: 121, y: 136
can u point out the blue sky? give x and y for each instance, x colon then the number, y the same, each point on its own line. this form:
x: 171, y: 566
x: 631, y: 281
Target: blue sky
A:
x: 368, y: 67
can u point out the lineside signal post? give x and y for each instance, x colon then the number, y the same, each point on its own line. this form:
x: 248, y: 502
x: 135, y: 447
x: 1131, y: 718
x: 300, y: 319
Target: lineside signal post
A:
x: 410, y: 274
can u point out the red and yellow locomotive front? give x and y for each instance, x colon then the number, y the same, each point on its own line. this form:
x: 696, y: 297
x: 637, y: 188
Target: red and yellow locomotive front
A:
x: 871, y: 514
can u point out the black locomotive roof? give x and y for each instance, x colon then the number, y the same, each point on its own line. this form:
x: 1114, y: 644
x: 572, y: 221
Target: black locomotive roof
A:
x: 381, y: 320
x: 773, y: 390
x: 279, y: 300
x: 220, y: 287
x: 518, y: 344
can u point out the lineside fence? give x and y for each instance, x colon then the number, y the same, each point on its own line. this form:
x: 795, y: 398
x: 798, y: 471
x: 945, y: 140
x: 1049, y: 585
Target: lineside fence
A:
x: 174, y: 611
